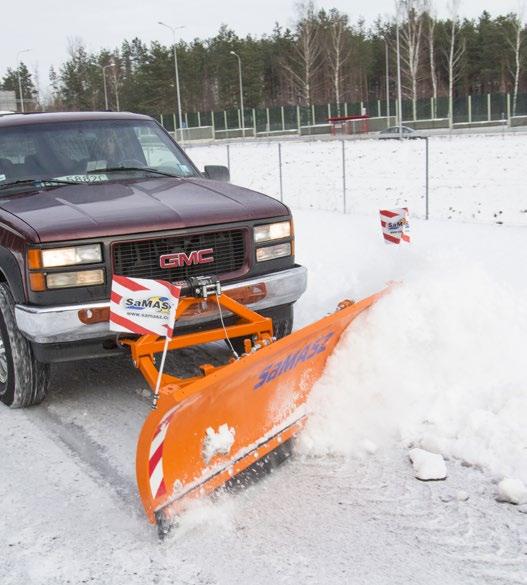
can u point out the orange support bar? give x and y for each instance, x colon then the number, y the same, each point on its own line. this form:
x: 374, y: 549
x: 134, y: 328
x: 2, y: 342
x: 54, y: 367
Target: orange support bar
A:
x: 249, y: 324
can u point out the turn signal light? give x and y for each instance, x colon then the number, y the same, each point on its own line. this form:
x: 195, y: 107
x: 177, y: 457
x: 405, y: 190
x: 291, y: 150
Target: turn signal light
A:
x: 34, y: 259
x: 37, y: 281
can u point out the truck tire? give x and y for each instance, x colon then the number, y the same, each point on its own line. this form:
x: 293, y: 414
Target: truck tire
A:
x: 282, y: 317
x: 23, y: 380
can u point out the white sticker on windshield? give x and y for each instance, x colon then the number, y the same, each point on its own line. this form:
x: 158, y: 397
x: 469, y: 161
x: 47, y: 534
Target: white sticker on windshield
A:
x: 3, y: 177
x: 84, y: 178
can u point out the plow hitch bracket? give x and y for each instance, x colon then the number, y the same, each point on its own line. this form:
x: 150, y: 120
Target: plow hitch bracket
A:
x: 248, y: 324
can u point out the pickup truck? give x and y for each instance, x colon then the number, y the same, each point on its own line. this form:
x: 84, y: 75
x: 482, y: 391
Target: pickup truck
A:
x: 84, y: 196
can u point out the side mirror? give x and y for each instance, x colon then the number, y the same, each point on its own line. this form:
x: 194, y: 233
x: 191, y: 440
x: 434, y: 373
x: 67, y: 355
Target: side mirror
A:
x: 217, y: 173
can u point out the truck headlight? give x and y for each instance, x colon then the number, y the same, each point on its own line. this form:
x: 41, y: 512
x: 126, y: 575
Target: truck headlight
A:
x: 72, y: 256
x: 272, y: 231
x: 272, y: 252
x: 68, y: 256
x: 78, y: 278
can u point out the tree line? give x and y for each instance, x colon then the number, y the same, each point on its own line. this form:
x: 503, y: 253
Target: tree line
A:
x: 324, y: 58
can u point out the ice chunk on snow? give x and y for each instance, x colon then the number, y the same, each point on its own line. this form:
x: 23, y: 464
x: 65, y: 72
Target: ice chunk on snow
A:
x: 513, y: 491
x: 427, y: 465
x: 218, y: 442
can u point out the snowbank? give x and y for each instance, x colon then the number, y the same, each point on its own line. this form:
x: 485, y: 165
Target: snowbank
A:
x: 439, y: 362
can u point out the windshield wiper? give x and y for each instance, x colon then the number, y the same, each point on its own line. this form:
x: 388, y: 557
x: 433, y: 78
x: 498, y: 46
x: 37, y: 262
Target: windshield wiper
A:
x: 124, y: 169
x: 37, y: 182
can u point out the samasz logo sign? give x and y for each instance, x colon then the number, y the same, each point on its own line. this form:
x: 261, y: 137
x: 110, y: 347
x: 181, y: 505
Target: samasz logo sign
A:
x: 180, y: 259
x: 158, y: 304
x: 143, y: 306
x: 290, y: 362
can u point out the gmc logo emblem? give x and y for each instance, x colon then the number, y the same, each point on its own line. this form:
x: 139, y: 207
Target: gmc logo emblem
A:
x: 180, y: 259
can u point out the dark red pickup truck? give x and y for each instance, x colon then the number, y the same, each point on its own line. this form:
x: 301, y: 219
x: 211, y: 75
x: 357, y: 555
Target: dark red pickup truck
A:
x: 87, y: 195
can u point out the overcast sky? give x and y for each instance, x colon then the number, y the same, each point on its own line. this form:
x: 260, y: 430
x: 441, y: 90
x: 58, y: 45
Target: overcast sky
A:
x: 45, y: 25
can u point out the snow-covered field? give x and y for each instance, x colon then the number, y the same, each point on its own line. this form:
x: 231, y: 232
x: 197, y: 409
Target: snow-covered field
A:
x: 437, y: 364
x: 473, y: 178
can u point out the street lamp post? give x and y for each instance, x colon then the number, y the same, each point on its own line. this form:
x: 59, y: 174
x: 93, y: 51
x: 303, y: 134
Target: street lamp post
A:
x: 242, y: 117
x: 173, y: 29
x: 20, y: 92
x: 104, y: 67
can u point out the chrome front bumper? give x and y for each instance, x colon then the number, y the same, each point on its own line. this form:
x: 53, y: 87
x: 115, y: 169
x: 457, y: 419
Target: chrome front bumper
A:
x: 62, y: 324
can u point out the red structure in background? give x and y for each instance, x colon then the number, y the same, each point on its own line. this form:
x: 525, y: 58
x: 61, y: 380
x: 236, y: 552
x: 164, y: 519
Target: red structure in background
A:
x: 349, y: 124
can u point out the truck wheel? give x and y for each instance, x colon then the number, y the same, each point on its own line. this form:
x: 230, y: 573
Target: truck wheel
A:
x: 23, y: 380
x: 282, y: 324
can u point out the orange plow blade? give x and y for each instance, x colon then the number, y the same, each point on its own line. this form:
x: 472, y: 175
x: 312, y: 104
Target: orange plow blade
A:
x: 204, y: 433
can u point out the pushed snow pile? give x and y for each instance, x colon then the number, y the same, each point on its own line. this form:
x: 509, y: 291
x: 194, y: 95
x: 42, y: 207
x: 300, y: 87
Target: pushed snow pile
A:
x: 427, y: 466
x: 217, y: 442
x: 439, y: 362
x: 513, y: 491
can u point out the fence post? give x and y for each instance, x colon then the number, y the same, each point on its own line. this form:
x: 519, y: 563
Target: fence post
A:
x: 280, y: 171
x: 313, y: 120
x: 346, y: 108
x: 298, y: 118
x: 489, y: 106
x: 283, y: 118
x: 268, y: 121
x: 161, y: 118
x: 427, y: 213
x: 254, y: 121
x: 344, y: 176
x: 239, y: 118
x: 213, y: 124
x: 225, y: 121
x: 175, y: 126
x: 228, y: 157
x: 378, y: 108
x: 469, y: 109
x: 329, y: 110
x: 199, y: 119
x: 509, y: 109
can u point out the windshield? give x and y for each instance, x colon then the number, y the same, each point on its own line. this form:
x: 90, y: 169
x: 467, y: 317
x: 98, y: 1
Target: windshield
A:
x: 81, y: 151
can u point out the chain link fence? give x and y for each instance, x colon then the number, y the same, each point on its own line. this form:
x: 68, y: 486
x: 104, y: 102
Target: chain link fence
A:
x: 433, y: 177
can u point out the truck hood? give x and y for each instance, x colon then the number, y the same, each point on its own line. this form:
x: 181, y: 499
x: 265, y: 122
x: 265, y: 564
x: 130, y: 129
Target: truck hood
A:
x: 136, y: 206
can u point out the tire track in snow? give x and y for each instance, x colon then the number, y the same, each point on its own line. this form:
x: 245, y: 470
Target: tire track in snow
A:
x: 88, y: 452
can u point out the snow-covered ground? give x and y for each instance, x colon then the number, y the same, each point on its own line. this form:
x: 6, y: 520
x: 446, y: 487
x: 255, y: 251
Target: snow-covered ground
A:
x: 473, y: 178
x: 437, y: 364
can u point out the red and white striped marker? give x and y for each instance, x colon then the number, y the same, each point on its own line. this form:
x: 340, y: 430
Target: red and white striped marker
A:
x: 143, y: 306
x: 395, y: 225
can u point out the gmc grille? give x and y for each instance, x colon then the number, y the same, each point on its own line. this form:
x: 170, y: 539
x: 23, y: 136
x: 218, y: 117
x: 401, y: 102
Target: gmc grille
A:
x: 141, y: 259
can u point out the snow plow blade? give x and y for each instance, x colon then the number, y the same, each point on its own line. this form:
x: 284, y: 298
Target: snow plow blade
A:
x: 206, y: 431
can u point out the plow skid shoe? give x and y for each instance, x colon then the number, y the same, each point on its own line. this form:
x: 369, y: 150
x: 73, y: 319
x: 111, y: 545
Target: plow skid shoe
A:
x: 205, y: 433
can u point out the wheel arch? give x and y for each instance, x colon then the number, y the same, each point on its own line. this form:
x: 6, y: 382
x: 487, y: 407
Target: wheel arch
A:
x: 10, y: 273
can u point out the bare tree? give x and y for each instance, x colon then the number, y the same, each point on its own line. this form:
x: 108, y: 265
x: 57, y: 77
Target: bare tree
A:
x: 432, y: 21
x: 515, y: 41
x: 455, y: 53
x: 304, y: 63
x: 338, y: 51
x: 411, y: 11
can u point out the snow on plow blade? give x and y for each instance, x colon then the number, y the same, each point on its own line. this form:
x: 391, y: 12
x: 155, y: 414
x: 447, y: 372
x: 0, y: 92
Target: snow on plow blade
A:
x: 203, y: 434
